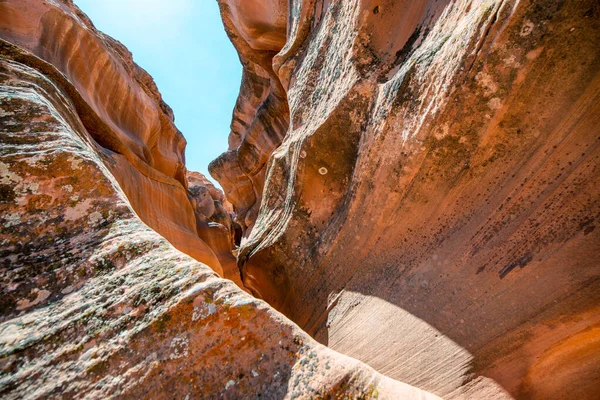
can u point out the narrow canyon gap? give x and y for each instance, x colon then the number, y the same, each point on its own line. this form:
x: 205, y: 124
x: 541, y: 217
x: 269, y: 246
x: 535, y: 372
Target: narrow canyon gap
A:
x: 411, y: 195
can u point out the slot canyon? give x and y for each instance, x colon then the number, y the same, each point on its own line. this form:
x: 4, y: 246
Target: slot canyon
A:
x: 409, y: 207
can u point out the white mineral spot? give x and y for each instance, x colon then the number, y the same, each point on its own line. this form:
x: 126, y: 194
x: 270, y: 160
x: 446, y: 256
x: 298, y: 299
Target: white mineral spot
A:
x: 229, y: 384
x: 512, y: 62
x: 11, y: 219
x: 33, y: 161
x: 211, y: 309
x: 254, y: 373
x: 197, y: 314
x: 487, y: 82
x: 25, y: 188
x: 75, y: 164
x: 67, y: 188
x: 323, y: 170
x: 179, y: 347
x: 495, y: 103
x: 203, y: 310
x: 527, y: 28
x: 303, y: 154
x: 6, y: 176
x: 442, y: 132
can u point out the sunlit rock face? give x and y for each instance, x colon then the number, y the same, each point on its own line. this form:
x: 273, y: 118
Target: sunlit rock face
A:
x: 121, y: 109
x: 418, y: 183
x: 94, y: 303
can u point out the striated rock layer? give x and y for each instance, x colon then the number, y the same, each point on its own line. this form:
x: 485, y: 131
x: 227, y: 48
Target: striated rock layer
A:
x: 97, y: 305
x: 122, y: 110
x: 418, y: 183
x: 94, y: 303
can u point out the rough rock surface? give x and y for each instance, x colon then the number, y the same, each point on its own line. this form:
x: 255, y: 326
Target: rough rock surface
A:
x: 418, y: 183
x: 95, y: 304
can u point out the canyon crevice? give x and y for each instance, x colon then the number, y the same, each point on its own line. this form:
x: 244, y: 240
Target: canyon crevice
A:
x: 95, y: 302
x: 411, y: 192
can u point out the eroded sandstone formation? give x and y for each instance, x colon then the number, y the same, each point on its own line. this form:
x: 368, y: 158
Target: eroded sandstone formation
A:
x: 419, y: 186
x: 415, y: 184
x: 121, y: 108
x: 95, y: 304
x: 261, y: 116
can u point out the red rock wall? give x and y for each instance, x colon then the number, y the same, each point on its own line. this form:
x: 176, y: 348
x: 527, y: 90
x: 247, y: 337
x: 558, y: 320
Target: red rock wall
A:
x: 94, y: 304
x: 419, y: 185
x: 261, y: 115
x: 121, y: 108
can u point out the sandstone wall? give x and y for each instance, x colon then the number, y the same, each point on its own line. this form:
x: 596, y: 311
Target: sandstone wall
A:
x: 94, y: 304
x: 121, y: 108
x: 418, y: 183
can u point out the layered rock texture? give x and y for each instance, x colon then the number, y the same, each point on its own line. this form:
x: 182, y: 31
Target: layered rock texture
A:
x: 120, y: 108
x: 97, y: 299
x: 214, y: 223
x: 415, y: 184
x: 418, y: 185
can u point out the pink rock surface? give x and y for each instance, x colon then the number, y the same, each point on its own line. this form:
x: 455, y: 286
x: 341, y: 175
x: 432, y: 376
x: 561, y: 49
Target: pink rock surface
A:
x: 414, y: 184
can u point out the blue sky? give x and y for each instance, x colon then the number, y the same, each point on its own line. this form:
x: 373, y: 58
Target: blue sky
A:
x: 183, y: 45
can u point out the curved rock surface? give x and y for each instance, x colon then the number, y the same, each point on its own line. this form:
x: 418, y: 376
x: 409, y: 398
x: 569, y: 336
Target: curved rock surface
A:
x: 120, y: 107
x: 261, y: 116
x: 418, y: 183
x: 97, y: 305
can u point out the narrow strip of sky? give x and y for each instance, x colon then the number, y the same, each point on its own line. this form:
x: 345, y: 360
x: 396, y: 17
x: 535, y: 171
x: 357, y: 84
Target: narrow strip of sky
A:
x: 183, y: 45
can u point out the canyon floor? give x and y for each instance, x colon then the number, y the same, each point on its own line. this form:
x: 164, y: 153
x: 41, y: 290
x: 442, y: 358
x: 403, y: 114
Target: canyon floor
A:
x: 410, y: 200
